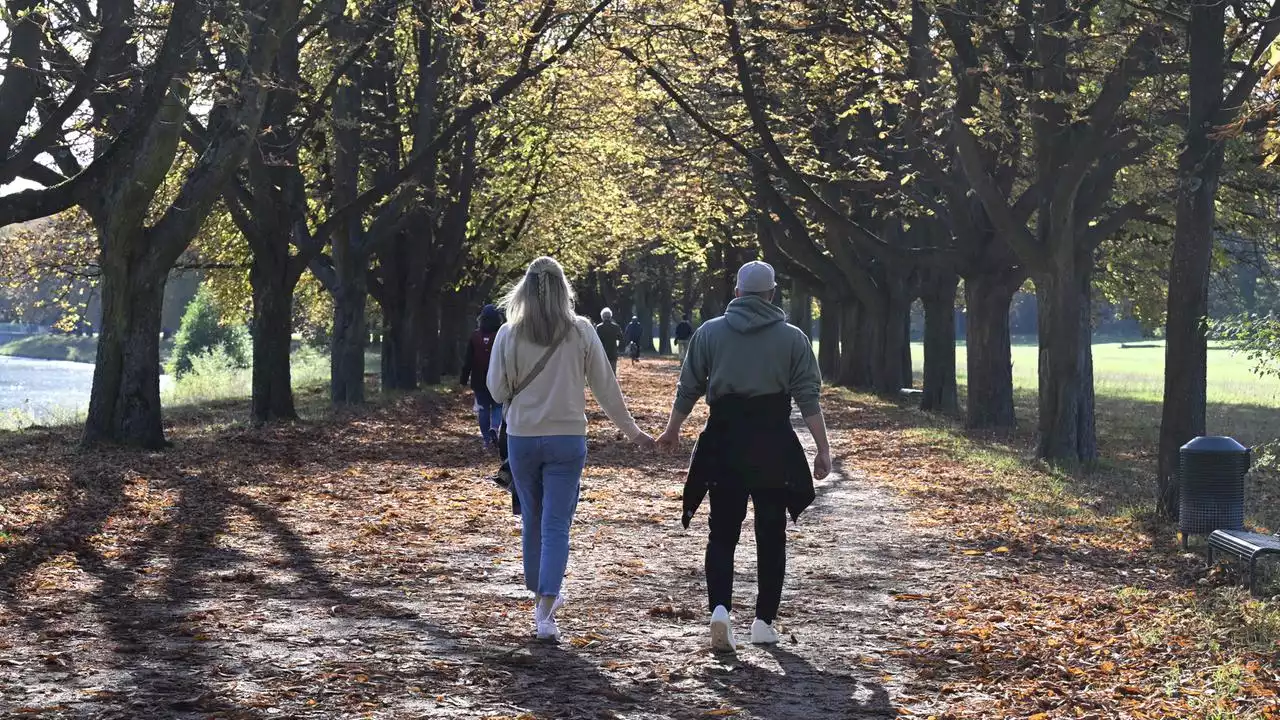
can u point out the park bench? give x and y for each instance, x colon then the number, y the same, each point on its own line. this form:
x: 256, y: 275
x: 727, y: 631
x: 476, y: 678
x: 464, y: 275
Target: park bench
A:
x: 1247, y: 546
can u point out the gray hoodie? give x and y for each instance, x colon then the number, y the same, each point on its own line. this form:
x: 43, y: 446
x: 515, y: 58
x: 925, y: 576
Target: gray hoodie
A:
x: 751, y: 351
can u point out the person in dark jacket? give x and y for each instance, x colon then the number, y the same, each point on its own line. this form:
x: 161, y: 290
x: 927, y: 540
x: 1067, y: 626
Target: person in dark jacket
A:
x: 750, y: 365
x: 475, y: 368
x: 610, y: 336
x: 684, y: 332
x: 634, y: 334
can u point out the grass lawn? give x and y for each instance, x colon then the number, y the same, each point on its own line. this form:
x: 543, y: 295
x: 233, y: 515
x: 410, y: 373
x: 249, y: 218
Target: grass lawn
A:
x: 1136, y: 371
x: 53, y: 347
x: 1129, y: 379
x: 74, y: 348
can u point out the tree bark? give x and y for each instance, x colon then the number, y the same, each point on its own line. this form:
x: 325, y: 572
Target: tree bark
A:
x: 908, y: 365
x: 124, y: 405
x: 801, y: 308
x: 665, y: 310
x: 350, y: 335
x: 1199, y: 166
x: 1066, y: 387
x: 403, y: 289
x: 350, y: 257
x: 939, y: 298
x: 453, y: 329
x: 273, y: 281
x: 988, y: 354
x: 432, y: 366
x: 829, y: 337
x: 644, y: 311
x: 856, y: 339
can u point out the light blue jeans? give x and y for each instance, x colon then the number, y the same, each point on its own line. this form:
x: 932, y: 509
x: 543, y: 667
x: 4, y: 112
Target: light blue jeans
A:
x: 490, y: 419
x: 547, y: 472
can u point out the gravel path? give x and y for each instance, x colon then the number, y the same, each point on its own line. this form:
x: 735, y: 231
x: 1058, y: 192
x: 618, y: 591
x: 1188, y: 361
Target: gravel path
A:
x: 327, y: 577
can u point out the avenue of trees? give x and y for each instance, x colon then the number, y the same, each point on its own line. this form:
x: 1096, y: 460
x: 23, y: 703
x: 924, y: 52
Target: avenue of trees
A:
x: 383, y: 167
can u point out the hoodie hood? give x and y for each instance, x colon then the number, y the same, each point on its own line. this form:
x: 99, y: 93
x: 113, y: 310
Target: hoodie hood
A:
x: 752, y: 314
x: 490, y: 318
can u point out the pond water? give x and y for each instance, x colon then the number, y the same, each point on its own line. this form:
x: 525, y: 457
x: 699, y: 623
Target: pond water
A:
x: 43, y: 390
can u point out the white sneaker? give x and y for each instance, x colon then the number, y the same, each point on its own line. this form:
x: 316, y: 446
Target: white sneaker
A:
x: 762, y: 633
x: 722, y: 630
x: 546, y: 627
x: 548, y: 631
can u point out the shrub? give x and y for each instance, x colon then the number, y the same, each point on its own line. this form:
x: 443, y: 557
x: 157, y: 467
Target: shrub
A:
x: 213, y: 376
x: 1258, y: 338
x: 202, y: 332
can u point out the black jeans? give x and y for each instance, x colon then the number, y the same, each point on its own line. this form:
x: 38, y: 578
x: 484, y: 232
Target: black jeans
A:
x: 728, y: 511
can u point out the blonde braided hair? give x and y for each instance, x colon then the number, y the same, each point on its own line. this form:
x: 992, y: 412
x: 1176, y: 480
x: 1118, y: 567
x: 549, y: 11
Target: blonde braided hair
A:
x: 540, y: 306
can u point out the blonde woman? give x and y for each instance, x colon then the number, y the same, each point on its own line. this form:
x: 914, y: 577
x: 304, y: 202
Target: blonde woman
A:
x: 543, y: 360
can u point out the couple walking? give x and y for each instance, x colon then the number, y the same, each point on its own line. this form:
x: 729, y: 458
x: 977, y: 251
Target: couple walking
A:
x: 750, y: 365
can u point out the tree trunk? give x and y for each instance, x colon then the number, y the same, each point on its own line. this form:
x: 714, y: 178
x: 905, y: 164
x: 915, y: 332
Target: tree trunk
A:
x: 350, y: 258
x: 801, y: 308
x: 350, y: 334
x: 644, y: 311
x: 908, y: 365
x: 429, y: 345
x: 124, y: 405
x: 987, y: 351
x: 453, y: 327
x: 856, y: 340
x: 399, y: 344
x: 665, y: 311
x: 403, y: 281
x: 888, y: 339
x: 1066, y: 403
x: 829, y: 337
x: 1199, y: 165
x: 940, y: 394
x: 590, y: 299
x: 689, y: 294
x: 273, y: 283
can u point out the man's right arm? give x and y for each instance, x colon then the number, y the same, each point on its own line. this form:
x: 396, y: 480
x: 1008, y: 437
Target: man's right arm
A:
x: 817, y: 425
x: 690, y: 388
x: 806, y: 388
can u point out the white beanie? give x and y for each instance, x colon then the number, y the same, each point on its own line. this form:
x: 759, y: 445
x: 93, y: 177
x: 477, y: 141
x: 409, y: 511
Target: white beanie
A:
x: 606, y: 314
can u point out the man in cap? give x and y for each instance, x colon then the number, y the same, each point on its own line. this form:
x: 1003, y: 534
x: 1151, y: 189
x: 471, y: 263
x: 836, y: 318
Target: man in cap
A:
x: 750, y: 365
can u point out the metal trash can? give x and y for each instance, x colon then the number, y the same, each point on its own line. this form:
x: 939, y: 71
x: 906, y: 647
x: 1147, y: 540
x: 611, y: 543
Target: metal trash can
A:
x: 1211, y: 474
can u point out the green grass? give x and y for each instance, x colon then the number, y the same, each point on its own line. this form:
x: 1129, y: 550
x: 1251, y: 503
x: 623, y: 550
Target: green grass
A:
x: 213, y: 379
x: 53, y: 347
x: 213, y: 385
x: 1136, y: 371
x: 73, y: 348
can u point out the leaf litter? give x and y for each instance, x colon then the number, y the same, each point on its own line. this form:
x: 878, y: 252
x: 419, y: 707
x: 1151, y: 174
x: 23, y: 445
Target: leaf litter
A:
x: 364, y: 566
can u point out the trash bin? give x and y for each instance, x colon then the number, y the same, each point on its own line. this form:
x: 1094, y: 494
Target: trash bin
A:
x: 1211, y: 474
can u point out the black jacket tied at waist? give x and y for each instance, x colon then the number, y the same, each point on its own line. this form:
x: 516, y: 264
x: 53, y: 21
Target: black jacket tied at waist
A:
x: 749, y: 442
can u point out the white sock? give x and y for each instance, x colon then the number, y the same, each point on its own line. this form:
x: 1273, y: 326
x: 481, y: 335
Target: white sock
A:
x: 545, y: 603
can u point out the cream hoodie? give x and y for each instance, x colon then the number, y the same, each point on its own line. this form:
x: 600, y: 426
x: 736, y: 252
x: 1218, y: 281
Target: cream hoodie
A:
x: 555, y: 402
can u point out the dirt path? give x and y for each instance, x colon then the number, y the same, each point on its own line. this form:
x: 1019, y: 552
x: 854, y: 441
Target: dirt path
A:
x: 368, y: 569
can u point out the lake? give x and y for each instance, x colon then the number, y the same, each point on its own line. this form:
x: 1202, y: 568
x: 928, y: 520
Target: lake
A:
x: 43, y: 390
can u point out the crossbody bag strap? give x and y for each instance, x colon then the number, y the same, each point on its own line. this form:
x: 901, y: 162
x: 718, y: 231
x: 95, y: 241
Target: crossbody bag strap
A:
x: 542, y: 363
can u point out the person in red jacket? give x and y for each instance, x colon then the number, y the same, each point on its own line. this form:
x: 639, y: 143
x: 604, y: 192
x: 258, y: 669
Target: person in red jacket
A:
x: 475, y: 368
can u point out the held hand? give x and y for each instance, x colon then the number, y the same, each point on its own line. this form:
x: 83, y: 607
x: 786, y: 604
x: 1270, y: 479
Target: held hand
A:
x: 669, y: 441
x: 822, y: 465
x: 645, y: 441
